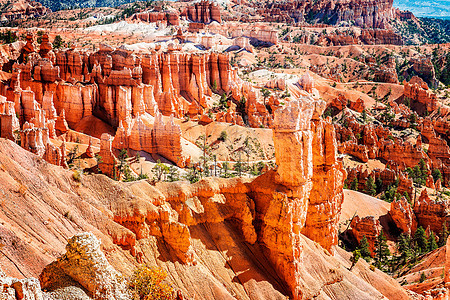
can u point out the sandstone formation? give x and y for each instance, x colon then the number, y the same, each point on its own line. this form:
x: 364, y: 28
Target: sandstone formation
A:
x: 204, y: 12
x: 153, y: 17
x: 298, y: 173
x: 109, y: 161
x: 256, y: 31
x: 421, y: 98
x: 431, y: 213
x: 128, y: 92
x: 368, y: 226
x: 9, y: 123
x: 163, y: 139
x: 187, y: 89
x: 367, y: 37
x: 169, y: 219
x: 23, y: 9
x: 89, y: 151
x: 85, y: 264
x: 376, y: 143
x: 365, y: 14
x: 328, y: 179
x: 403, y: 216
x: 380, y: 37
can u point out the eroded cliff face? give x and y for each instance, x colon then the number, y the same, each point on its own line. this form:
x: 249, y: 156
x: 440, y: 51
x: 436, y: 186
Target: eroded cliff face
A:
x: 362, y: 13
x: 23, y: 10
x: 158, y: 17
x: 311, y: 180
x: 127, y: 91
x: 203, y: 12
x: 205, y: 233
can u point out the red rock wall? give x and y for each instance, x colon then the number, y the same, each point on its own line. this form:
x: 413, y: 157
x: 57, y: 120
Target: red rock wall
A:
x: 431, y: 213
x: 153, y: 17
x: 421, y: 98
x: 204, y: 12
x: 364, y: 13
x: 368, y: 226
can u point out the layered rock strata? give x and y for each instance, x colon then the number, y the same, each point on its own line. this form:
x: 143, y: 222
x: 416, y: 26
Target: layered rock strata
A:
x: 204, y: 12
x: 154, y: 17
x: 365, y: 13
x: 421, y: 98
x: 123, y: 89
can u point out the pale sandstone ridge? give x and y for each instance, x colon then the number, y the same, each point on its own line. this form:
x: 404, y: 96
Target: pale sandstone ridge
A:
x: 82, y: 273
x: 436, y: 266
x: 85, y: 264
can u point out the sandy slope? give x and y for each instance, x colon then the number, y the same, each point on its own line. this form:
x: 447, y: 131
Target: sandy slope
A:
x: 363, y: 205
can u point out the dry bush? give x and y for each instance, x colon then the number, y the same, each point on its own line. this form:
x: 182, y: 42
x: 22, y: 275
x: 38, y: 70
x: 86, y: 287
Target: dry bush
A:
x: 77, y: 175
x: 148, y: 284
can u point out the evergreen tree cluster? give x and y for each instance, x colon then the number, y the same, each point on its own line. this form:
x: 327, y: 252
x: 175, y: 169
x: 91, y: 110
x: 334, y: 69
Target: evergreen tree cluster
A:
x: 419, y: 173
x: 409, y: 248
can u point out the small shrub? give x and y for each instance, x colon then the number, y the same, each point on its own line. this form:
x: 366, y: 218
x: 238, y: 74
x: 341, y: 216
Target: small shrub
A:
x: 142, y: 176
x: 76, y: 175
x: 193, y: 175
x: 223, y: 136
x: 148, y: 284
x: 58, y: 42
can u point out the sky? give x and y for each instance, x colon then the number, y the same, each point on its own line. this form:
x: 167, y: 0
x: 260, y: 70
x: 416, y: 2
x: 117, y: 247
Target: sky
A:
x: 423, y: 8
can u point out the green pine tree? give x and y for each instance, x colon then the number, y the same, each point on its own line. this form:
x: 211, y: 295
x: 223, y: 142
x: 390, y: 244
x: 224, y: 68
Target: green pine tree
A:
x: 364, y: 248
x: 381, y: 250
x: 371, y: 188
x: 354, y: 184
x: 379, y: 184
x: 356, y: 255
x: 404, y: 247
x: 436, y: 174
x: 422, y: 277
x: 407, y: 197
x: 420, y: 240
x: 443, y: 235
x: 432, y: 245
